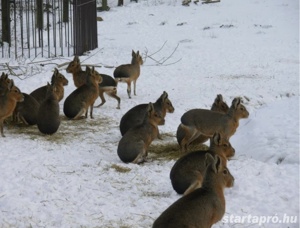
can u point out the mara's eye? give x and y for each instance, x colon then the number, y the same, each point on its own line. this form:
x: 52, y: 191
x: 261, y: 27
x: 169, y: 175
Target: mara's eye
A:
x: 225, y: 171
x: 225, y: 145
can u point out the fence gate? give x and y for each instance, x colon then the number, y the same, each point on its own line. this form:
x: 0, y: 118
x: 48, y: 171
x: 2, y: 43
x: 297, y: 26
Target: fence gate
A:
x: 85, y: 26
x: 47, y: 28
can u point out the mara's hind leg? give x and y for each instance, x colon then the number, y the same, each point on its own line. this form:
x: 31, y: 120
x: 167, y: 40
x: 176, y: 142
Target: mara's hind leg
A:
x: 113, y: 94
x: 80, y: 113
x: 190, y: 134
x: 194, y: 137
x: 141, y: 157
x: 129, y: 88
x: 101, y: 95
x: 196, y: 184
x: 1, y: 127
x: 20, y: 117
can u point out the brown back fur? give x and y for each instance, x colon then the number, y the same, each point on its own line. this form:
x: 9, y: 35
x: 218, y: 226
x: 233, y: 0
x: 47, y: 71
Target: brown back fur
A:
x: 206, y: 122
x: 188, y: 171
x: 129, y: 72
x: 8, y: 103
x: 204, y: 206
x: 134, y: 144
x: 135, y: 115
x: 58, y: 80
x: 218, y: 106
x: 79, y: 101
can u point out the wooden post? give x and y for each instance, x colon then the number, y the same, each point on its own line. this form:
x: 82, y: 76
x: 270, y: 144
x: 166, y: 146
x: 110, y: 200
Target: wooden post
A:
x: 104, y: 4
x: 65, y: 10
x: 120, y: 2
x: 39, y: 14
x: 5, y: 5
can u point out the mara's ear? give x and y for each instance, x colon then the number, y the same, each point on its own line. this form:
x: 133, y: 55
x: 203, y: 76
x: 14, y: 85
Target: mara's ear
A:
x: 55, y: 74
x: 4, y: 76
x: 217, y: 138
x: 76, y: 59
x: 164, y: 96
x: 208, y: 159
x: 150, y: 109
x: 133, y: 53
x: 10, y: 84
x: 236, y: 102
x: 138, y: 53
x: 218, y: 164
x: 219, y: 98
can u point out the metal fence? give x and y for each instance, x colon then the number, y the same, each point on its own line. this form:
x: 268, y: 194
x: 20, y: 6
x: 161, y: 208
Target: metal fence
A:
x: 85, y: 26
x: 47, y: 28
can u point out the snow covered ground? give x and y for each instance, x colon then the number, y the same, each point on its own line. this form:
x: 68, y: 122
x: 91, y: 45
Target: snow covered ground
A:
x: 235, y: 48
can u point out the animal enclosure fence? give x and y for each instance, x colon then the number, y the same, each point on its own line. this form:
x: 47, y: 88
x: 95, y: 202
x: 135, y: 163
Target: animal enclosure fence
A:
x: 47, y: 28
x: 85, y: 26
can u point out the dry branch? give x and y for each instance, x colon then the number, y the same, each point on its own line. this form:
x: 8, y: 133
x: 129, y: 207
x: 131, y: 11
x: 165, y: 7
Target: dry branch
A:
x: 162, y: 61
x: 209, y: 1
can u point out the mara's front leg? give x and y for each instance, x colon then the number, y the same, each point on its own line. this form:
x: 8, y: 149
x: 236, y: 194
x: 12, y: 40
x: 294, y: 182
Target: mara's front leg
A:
x: 134, y: 87
x: 91, y: 110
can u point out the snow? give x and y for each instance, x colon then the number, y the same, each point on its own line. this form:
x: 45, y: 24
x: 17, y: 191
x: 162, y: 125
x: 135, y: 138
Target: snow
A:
x: 235, y: 48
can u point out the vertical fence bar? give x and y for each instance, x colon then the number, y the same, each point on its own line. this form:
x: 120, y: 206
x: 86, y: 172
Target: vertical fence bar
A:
x: 71, y: 26
x: 27, y: 26
x: 60, y: 28
x: 47, y: 8
x: 6, y: 25
x: 54, y: 25
x: 66, y: 24
x: 15, y: 28
x: 34, y: 40
x: 21, y: 26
